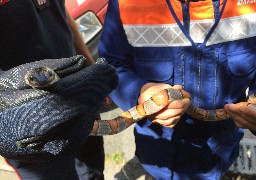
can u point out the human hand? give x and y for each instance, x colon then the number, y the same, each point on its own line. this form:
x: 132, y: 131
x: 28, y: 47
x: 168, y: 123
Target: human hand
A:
x: 244, y: 116
x: 170, y: 115
x: 108, y: 101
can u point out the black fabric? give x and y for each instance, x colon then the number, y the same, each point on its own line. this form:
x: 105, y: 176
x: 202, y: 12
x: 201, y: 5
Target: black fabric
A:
x: 90, y: 159
x: 88, y: 164
x: 28, y: 34
x: 253, y: 132
x: 40, y: 124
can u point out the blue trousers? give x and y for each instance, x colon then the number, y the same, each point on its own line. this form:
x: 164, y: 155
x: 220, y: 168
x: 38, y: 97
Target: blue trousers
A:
x: 87, y: 164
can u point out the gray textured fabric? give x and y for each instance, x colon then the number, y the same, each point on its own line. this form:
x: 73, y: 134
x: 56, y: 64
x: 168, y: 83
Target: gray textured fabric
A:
x: 40, y: 124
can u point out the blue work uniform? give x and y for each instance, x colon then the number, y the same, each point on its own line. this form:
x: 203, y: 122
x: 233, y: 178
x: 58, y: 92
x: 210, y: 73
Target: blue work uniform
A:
x: 208, y: 47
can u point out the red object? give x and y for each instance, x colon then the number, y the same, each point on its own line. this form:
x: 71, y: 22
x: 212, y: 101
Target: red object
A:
x: 15, y: 171
x: 77, y: 8
x: 3, y: 2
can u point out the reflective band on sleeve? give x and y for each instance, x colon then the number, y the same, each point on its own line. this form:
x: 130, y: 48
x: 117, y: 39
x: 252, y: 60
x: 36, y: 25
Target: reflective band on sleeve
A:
x: 228, y: 29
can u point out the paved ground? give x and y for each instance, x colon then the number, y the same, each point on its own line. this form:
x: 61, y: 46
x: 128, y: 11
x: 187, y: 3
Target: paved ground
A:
x: 120, y: 162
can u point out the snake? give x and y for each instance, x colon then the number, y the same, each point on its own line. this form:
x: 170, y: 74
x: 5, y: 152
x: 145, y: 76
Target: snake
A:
x: 45, y: 77
x: 49, y: 107
x: 55, y: 115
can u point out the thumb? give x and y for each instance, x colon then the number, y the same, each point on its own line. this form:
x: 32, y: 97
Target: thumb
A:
x: 149, y: 92
x: 177, y: 87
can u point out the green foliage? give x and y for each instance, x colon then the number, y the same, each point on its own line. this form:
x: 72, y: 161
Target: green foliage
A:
x: 116, y: 157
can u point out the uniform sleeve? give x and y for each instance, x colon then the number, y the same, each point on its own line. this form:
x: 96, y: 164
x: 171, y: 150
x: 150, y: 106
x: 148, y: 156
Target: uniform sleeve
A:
x: 114, y: 47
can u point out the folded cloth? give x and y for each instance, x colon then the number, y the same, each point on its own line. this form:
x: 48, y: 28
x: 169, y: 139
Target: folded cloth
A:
x: 41, y: 123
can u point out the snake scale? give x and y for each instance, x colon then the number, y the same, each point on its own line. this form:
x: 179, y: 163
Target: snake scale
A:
x: 41, y: 76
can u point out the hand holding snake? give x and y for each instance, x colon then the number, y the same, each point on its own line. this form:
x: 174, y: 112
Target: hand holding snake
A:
x: 48, y: 107
x: 244, y: 116
x: 171, y: 114
x: 161, y: 103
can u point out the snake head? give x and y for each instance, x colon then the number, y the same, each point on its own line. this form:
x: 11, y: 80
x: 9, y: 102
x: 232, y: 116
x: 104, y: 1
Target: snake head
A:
x: 39, y: 124
x: 41, y: 77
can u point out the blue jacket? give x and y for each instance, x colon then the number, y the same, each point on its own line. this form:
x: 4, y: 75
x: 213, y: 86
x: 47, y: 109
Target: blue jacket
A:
x: 211, y: 53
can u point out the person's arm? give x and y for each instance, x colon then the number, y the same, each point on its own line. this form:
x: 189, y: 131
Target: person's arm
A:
x: 115, y: 48
x: 79, y: 44
x: 244, y: 116
x: 170, y: 115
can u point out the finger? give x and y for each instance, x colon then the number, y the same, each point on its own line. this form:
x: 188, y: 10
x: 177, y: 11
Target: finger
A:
x: 154, y: 88
x: 176, y: 104
x: 148, y: 93
x: 177, y: 87
x: 175, y: 108
x: 232, y: 109
x: 146, y: 86
x: 243, y: 116
x: 242, y: 112
x: 179, y: 104
x: 171, y: 122
x: 248, y: 113
x: 237, y: 123
x: 169, y: 113
x: 240, y: 122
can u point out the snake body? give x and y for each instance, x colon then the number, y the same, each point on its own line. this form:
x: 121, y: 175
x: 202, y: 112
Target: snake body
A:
x: 156, y: 103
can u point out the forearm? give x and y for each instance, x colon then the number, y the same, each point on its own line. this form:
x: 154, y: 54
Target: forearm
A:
x: 79, y: 44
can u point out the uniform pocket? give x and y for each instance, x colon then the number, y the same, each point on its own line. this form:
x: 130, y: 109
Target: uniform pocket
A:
x: 154, y: 70
x: 242, y: 63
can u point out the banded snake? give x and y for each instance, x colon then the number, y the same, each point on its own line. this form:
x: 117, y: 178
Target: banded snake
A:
x: 156, y: 103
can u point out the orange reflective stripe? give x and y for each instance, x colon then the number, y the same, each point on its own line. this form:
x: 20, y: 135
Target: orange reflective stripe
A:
x: 153, y: 12
x: 201, y: 10
x: 141, y: 12
x: 235, y: 8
